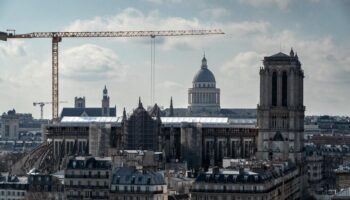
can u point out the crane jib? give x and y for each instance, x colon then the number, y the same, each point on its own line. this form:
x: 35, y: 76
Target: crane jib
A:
x: 4, y: 35
x: 57, y: 37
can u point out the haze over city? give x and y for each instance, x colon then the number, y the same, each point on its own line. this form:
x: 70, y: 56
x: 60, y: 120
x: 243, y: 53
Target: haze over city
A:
x: 317, y: 30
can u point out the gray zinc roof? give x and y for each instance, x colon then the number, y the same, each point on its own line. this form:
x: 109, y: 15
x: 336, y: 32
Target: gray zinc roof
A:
x: 204, y: 75
x: 131, y: 176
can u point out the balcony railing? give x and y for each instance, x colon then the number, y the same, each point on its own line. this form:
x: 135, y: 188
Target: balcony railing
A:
x: 87, y: 176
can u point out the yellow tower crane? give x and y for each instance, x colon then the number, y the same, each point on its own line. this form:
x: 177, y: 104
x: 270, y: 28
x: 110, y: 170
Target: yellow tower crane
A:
x: 57, y: 37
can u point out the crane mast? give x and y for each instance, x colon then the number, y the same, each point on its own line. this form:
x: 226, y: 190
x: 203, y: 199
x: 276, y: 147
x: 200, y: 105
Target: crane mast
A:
x: 57, y: 37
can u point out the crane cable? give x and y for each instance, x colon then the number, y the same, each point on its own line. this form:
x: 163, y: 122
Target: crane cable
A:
x: 153, y: 73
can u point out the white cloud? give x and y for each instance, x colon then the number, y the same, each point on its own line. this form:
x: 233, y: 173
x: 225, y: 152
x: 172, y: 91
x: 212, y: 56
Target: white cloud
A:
x: 282, y: 4
x: 325, y: 63
x: 170, y: 85
x: 243, y: 66
x: 163, y: 1
x: 90, y: 62
x: 322, y: 56
x: 246, y: 27
x: 12, y: 48
x: 240, y: 79
x: 214, y: 13
x: 133, y: 20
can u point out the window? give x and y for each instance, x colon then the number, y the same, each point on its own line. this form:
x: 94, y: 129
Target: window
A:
x: 7, y: 130
x: 284, y: 89
x: 274, y: 89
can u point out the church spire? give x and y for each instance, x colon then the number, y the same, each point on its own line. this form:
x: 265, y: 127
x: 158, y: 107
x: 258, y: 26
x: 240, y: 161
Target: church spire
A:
x: 105, y: 91
x: 171, y: 114
x: 140, y: 103
x: 124, y: 114
x: 105, y: 102
x: 158, y: 114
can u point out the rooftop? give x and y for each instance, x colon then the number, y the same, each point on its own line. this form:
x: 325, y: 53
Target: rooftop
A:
x: 132, y: 176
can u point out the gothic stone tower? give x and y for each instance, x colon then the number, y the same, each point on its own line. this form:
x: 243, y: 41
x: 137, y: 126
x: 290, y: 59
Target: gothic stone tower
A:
x: 281, y: 109
x: 105, y: 103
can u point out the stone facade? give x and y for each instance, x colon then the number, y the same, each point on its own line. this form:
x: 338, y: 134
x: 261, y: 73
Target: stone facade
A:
x: 81, y: 138
x: 279, y: 181
x: 88, y: 178
x: 9, y: 125
x: 315, y: 167
x: 206, y: 144
x: 13, y: 187
x: 129, y: 183
x: 281, y: 109
x: 342, y: 175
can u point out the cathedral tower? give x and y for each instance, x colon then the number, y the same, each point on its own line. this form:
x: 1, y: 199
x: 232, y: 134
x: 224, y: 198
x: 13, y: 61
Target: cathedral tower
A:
x: 281, y: 109
x: 105, y: 103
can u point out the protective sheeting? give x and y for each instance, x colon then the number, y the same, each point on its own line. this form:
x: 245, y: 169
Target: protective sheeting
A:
x: 203, y: 120
x: 91, y: 119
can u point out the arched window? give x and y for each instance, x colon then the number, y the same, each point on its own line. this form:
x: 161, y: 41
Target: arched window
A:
x: 274, y: 89
x: 284, y: 89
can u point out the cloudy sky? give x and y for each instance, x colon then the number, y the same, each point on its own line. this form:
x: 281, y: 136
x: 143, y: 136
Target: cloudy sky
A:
x: 318, y: 30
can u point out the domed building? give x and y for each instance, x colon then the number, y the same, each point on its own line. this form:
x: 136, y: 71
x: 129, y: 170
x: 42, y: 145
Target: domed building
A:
x: 204, y: 97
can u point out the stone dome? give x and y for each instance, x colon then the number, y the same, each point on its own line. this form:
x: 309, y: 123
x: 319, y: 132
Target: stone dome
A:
x: 204, y: 74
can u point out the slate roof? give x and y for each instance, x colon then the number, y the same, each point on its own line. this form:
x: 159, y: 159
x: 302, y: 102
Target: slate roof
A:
x: 234, y: 176
x: 132, y: 176
x: 280, y: 54
x: 90, y: 112
x: 282, y: 57
x: 89, y: 163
